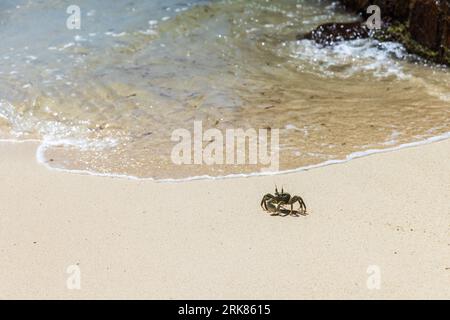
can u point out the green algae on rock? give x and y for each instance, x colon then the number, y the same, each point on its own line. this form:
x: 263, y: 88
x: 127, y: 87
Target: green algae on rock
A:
x: 422, y: 26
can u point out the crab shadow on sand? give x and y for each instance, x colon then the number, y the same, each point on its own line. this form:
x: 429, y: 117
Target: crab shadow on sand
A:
x: 284, y: 213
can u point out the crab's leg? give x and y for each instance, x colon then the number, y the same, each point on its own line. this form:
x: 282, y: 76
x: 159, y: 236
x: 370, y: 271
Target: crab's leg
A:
x: 263, y: 203
x: 303, y: 205
x: 292, y: 208
x: 300, y: 201
x: 267, y: 199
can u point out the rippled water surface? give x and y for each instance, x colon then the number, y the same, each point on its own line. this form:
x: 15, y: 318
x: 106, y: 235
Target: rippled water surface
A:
x: 106, y: 98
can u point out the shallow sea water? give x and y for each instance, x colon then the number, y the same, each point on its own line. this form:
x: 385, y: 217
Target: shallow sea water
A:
x: 106, y: 98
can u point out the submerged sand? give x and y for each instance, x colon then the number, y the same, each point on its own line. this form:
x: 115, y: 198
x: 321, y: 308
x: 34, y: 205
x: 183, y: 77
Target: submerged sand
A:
x: 210, y: 239
x: 109, y: 97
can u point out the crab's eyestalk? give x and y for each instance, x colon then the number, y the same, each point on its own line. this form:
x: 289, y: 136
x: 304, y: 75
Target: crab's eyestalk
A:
x: 276, y: 190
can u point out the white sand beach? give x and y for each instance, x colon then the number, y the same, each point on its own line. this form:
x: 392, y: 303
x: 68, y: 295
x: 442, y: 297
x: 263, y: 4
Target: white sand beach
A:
x: 211, y: 240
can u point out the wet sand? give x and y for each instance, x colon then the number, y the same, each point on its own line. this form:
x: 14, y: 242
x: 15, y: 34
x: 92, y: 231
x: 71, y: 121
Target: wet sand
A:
x: 210, y: 239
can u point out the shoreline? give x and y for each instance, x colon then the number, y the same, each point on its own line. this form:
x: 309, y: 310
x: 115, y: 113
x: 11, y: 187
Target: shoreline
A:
x: 40, y: 149
x: 210, y: 239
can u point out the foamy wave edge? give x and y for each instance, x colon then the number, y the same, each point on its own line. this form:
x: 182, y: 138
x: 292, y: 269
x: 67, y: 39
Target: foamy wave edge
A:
x: 355, y: 155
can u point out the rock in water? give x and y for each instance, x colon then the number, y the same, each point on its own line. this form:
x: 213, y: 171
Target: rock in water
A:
x: 329, y: 33
x: 422, y: 26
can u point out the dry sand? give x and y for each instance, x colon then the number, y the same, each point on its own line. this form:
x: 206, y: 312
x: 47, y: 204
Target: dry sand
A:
x: 210, y: 239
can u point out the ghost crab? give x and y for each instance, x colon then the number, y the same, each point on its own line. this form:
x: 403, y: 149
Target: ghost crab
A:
x: 276, y: 204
